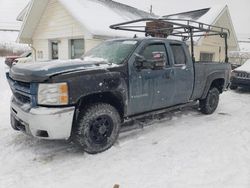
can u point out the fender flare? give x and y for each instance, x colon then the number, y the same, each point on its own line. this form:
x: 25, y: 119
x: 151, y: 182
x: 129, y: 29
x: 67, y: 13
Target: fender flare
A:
x: 210, y: 79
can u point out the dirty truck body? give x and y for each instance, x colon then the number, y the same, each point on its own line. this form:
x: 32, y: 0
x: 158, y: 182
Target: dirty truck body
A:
x: 88, y: 100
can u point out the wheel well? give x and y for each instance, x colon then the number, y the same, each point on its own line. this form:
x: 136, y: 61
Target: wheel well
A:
x: 219, y: 84
x: 106, y: 97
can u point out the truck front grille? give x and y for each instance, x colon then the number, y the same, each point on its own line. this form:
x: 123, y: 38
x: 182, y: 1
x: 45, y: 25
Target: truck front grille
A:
x: 20, y: 86
x: 22, y: 98
x: 23, y: 92
x: 243, y: 75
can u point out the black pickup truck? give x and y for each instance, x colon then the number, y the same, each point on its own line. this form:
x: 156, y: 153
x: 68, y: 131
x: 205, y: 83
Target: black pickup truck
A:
x: 88, y: 100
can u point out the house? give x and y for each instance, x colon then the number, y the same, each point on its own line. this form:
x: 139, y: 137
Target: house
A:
x: 63, y: 29
x: 211, y: 48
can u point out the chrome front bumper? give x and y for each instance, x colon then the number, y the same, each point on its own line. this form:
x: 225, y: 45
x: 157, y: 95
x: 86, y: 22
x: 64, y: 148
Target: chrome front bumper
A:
x: 41, y: 122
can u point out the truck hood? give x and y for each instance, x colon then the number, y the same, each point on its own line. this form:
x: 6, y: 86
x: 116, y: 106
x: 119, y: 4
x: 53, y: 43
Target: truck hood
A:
x: 41, y: 71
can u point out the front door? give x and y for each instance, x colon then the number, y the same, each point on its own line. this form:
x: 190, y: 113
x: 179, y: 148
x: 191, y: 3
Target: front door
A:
x: 150, y: 89
x: 54, y: 50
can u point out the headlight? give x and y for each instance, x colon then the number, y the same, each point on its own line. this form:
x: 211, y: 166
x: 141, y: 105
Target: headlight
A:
x: 53, y: 94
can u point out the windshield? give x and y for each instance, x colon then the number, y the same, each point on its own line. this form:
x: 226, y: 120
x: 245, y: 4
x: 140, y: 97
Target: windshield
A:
x: 111, y: 51
x: 26, y: 54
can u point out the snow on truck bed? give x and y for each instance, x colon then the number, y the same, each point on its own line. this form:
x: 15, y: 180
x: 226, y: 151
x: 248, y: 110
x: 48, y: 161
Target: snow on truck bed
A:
x: 186, y: 149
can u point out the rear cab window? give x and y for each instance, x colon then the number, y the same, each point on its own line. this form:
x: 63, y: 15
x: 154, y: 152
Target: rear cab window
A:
x: 178, y: 54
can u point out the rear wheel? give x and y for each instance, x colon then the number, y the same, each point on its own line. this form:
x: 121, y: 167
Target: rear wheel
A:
x: 210, y: 103
x: 97, y: 128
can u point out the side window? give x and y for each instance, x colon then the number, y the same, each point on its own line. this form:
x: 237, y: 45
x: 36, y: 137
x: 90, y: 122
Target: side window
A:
x: 179, y: 54
x: 148, y: 51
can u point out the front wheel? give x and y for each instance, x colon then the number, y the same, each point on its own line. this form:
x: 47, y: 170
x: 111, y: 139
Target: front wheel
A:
x: 210, y: 103
x: 97, y: 128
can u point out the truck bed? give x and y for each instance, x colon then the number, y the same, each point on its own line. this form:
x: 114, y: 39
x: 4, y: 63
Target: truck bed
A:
x: 205, y: 72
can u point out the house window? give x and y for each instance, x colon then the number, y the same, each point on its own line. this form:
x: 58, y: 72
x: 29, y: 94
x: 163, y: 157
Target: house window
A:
x: 204, y: 56
x: 77, y: 48
x: 54, y: 50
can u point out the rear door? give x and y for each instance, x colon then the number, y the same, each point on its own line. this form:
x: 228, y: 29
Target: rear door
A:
x: 183, y: 71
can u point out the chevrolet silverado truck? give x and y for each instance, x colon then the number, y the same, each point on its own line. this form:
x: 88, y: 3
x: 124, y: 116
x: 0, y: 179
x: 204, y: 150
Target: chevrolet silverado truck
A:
x: 88, y: 100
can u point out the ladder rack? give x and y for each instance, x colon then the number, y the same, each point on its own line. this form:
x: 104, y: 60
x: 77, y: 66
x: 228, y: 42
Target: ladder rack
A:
x: 186, y: 29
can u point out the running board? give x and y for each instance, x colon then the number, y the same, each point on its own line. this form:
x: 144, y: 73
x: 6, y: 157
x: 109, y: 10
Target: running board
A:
x: 129, y: 122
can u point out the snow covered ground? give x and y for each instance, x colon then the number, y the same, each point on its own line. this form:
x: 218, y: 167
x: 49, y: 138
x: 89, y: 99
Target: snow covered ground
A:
x: 186, y: 149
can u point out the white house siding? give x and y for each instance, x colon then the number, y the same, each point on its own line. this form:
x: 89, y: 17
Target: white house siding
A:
x: 41, y: 46
x: 91, y: 43
x: 64, y: 48
x: 216, y: 44
x: 57, y: 24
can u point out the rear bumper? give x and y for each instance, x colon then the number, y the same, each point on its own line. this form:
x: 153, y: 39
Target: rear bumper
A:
x: 41, y: 122
x: 240, y: 82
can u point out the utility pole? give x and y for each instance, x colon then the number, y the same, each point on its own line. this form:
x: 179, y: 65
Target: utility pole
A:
x: 151, y: 9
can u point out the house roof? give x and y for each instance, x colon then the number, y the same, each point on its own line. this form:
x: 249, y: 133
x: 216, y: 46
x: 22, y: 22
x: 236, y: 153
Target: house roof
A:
x: 205, y: 15
x: 9, y: 26
x: 103, y: 12
x: 192, y: 15
x: 8, y: 36
x: 94, y: 15
x: 23, y: 13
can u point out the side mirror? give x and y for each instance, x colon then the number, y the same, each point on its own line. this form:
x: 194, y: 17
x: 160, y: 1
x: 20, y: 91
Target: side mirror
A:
x: 139, y: 61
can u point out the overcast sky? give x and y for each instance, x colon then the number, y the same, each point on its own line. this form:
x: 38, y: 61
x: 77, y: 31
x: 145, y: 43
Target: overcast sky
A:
x: 239, y: 9
x: 9, y: 9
